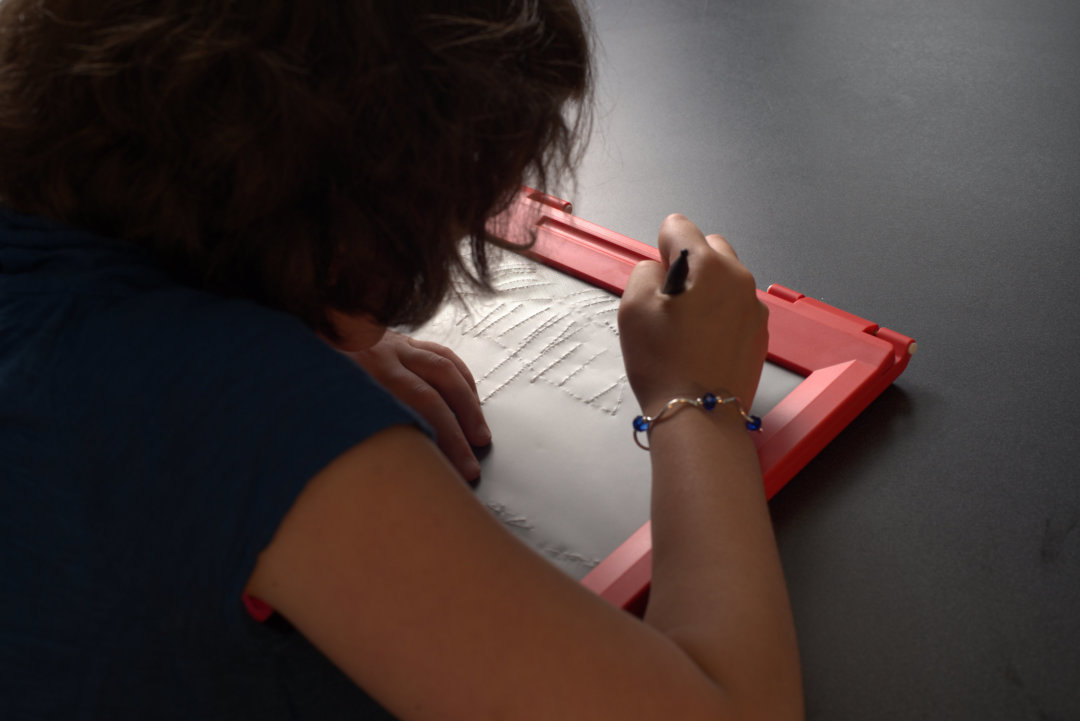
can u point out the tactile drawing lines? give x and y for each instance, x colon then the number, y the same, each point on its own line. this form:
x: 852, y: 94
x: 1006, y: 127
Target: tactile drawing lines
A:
x: 541, y: 334
x: 562, y: 473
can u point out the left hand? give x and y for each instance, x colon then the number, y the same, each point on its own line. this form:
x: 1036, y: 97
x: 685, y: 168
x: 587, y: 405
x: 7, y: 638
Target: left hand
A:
x: 433, y: 381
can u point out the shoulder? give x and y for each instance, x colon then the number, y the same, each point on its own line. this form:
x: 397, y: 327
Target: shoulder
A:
x: 214, y: 370
x: 112, y: 355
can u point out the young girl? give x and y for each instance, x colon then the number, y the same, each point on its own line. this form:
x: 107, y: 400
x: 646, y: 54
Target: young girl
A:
x: 204, y: 204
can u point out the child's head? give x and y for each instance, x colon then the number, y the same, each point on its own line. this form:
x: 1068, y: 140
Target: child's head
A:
x: 304, y: 154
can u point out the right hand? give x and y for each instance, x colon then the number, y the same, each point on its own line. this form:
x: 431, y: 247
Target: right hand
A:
x: 712, y: 336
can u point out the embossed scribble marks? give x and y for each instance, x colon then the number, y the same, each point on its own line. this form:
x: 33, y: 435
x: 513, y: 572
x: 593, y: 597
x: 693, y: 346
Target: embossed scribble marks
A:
x: 508, y: 517
x: 552, y: 551
x: 544, y: 334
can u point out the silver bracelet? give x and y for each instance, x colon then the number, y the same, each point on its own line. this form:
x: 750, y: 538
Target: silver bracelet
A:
x: 644, y: 424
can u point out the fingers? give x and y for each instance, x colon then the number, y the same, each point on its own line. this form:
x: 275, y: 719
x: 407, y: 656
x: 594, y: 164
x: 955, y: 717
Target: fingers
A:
x: 434, y: 382
x: 441, y: 368
x: 712, y: 336
x: 646, y: 277
x: 678, y: 232
x: 721, y: 246
x: 447, y: 400
x: 432, y: 406
x: 449, y: 355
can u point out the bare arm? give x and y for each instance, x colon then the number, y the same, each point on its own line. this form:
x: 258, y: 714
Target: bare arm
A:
x: 388, y: 564
x: 717, y: 588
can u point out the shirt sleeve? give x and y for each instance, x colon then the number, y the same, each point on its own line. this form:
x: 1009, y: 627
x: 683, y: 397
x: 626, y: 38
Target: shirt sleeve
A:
x: 152, y: 438
x: 208, y: 417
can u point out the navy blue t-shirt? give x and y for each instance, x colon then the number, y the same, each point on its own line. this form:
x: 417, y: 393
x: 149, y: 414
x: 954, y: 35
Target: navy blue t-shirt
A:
x: 151, y: 439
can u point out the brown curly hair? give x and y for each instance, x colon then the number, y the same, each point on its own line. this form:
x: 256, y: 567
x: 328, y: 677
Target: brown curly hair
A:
x: 309, y: 156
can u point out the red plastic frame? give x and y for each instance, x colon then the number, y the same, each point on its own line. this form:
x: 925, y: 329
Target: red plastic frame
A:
x: 847, y: 361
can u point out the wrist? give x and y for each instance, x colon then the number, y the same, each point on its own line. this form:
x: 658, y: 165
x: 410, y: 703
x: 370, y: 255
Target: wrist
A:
x: 708, y: 402
x: 716, y: 444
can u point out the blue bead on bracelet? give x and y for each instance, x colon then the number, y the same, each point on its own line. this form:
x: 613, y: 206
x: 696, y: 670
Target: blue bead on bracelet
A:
x: 644, y: 424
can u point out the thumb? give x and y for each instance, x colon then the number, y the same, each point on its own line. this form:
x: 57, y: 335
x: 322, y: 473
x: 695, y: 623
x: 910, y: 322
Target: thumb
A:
x: 646, y: 278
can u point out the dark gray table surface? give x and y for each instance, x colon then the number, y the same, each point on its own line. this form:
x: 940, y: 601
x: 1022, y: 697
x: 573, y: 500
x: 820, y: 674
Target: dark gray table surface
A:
x: 916, y: 163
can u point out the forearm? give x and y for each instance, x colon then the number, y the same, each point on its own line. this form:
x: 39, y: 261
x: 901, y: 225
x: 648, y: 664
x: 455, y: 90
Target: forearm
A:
x: 718, y: 589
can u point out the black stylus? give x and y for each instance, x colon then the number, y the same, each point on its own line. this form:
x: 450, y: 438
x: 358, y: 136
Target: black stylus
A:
x: 675, y: 282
